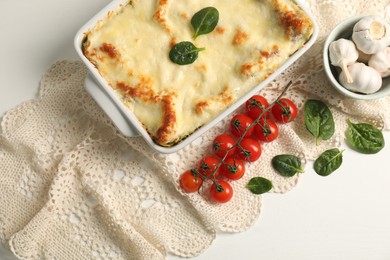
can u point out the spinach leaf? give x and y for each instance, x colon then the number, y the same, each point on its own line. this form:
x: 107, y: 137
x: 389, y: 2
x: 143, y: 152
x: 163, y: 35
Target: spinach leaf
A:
x: 364, y: 138
x: 259, y: 185
x: 318, y: 120
x: 287, y: 165
x: 205, y: 21
x: 184, y: 53
x: 328, y: 162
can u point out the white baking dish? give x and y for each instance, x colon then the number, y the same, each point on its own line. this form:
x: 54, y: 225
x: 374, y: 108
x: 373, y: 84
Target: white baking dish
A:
x: 125, y: 120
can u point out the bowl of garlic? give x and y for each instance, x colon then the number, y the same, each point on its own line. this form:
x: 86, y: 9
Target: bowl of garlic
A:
x: 357, y: 57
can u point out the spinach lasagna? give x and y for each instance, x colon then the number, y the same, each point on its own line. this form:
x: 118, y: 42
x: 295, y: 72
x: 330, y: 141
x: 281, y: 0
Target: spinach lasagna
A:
x: 130, y: 48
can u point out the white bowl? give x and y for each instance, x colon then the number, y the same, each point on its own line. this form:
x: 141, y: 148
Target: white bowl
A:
x: 126, y: 121
x: 344, y: 30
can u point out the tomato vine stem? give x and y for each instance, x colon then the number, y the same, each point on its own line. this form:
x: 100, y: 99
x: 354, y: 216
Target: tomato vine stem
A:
x: 256, y: 121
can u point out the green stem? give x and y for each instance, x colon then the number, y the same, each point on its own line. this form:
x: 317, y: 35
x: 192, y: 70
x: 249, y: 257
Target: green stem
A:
x: 336, y: 156
x: 200, y: 49
x: 264, y: 111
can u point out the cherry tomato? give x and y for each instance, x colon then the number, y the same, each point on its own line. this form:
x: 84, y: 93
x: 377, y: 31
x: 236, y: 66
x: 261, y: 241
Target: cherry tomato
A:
x: 233, y: 168
x: 239, y: 124
x: 256, y: 105
x: 222, y: 143
x: 190, y: 182
x: 222, y: 192
x: 284, y: 111
x: 208, y: 165
x: 266, y: 130
x: 251, y: 150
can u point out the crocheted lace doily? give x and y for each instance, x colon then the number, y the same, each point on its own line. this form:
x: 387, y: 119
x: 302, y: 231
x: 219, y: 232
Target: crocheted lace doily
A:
x: 72, y: 187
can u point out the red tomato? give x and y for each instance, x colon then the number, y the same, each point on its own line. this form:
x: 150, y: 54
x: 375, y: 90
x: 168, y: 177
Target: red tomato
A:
x: 233, y: 168
x: 222, y: 143
x: 190, y: 182
x: 208, y: 165
x: 266, y: 130
x: 256, y: 105
x: 239, y: 124
x: 222, y: 192
x: 284, y: 111
x: 251, y: 150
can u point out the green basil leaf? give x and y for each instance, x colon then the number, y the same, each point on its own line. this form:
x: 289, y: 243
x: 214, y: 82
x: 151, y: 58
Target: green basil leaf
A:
x: 364, y: 138
x: 259, y: 185
x: 318, y: 120
x: 287, y: 165
x: 184, y: 53
x: 328, y: 162
x: 205, y: 21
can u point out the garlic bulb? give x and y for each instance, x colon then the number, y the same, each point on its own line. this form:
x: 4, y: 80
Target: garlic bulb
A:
x: 381, y: 62
x: 371, y: 34
x: 343, y: 53
x: 365, y: 79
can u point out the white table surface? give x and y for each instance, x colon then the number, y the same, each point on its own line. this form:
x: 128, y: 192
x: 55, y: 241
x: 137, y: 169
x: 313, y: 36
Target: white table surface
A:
x: 342, y: 216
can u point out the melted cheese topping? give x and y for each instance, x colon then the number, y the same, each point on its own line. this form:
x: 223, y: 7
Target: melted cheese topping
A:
x: 130, y: 49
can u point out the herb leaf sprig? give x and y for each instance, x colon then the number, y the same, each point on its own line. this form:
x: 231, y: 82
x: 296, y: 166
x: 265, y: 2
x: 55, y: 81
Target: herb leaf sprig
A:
x: 287, y: 165
x: 205, y: 21
x: 259, y: 185
x: 364, y: 138
x: 318, y: 120
x: 328, y: 162
x: 184, y: 53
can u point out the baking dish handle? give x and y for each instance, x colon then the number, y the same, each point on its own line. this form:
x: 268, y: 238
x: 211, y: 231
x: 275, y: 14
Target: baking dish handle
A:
x: 109, y: 107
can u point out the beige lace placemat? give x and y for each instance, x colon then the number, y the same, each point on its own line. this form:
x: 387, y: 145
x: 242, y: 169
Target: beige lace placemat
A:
x: 71, y: 187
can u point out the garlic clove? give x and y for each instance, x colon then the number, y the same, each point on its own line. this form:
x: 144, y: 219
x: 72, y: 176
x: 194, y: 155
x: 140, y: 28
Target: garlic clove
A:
x: 342, y: 53
x: 371, y: 34
x: 363, y: 57
x: 365, y: 79
x: 381, y: 62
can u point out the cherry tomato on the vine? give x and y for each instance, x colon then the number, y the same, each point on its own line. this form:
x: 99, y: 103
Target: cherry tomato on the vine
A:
x: 250, y: 150
x: 284, y: 111
x: 190, y: 181
x: 266, y: 130
x: 222, y: 192
x: 233, y: 168
x: 256, y: 105
x: 239, y: 124
x: 222, y: 143
x: 208, y: 165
